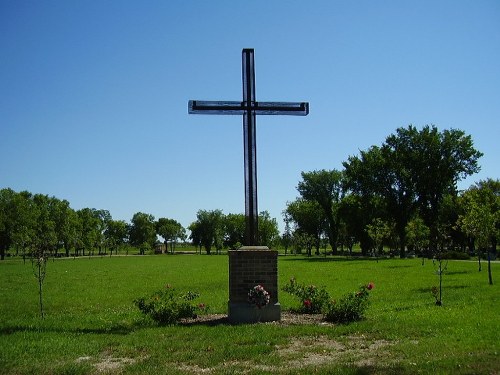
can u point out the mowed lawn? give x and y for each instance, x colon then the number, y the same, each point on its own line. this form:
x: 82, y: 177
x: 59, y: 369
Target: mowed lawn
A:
x: 92, y: 326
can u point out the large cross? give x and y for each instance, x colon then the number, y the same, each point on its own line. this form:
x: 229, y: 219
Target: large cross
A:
x: 249, y: 108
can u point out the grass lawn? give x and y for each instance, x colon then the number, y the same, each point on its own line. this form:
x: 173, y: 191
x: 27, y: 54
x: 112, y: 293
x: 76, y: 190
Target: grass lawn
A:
x: 92, y: 326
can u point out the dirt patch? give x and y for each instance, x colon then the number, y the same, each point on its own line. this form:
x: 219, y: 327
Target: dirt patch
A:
x: 107, y: 363
x: 305, y: 352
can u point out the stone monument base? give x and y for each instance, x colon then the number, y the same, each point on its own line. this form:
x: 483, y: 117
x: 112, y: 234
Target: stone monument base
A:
x: 246, y: 313
x: 248, y: 267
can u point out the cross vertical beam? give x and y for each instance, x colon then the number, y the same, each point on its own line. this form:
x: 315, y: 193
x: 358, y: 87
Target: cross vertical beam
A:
x: 249, y: 108
x: 250, y: 149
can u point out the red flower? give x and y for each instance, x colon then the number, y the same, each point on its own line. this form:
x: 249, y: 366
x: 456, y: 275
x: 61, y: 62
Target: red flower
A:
x: 307, y: 303
x: 370, y: 286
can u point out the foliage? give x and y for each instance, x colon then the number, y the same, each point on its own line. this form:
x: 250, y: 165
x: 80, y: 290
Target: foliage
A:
x: 412, y: 172
x: 325, y: 187
x: 167, y: 306
x: 379, y: 231
x: 312, y: 299
x: 171, y: 230
x: 142, y: 231
x: 308, y: 220
x: 208, y: 230
x: 258, y: 296
x: 351, y: 307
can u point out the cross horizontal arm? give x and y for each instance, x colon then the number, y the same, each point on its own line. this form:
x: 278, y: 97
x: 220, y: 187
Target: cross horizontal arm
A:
x: 239, y: 108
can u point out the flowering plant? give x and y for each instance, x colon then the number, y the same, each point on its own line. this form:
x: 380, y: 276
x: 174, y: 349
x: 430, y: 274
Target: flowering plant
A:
x: 258, y: 296
x: 350, y: 307
x: 312, y: 298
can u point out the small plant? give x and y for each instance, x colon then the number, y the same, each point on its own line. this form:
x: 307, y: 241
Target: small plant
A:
x: 351, y: 307
x: 258, y: 296
x: 441, y: 268
x: 39, y: 266
x: 312, y: 299
x: 167, y: 306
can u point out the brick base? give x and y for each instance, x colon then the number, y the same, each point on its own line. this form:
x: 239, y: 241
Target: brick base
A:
x: 248, y: 267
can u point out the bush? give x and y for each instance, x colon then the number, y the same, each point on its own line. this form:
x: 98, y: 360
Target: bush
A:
x: 167, y: 306
x: 350, y: 307
x: 312, y: 299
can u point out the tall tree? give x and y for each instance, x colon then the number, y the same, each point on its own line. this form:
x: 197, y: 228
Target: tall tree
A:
x: 325, y: 188
x: 171, y: 230
x: 268, y: 229
x: 142, y: 231
x: 308, y: 220
x: 481, y: 217
x: 208, y: 229
x: 116, y: 234
x: 412, y: 172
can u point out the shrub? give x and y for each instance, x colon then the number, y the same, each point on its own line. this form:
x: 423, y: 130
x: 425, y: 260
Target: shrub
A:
x: 350, y: 307
x: 312, y: 299
x: 167, y: 306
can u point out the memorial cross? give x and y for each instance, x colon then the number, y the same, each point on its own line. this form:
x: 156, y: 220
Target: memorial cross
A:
x: 249, y: 108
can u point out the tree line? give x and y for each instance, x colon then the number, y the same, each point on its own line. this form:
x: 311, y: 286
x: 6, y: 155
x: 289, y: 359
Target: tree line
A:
x: 36, y: 223
x: 401, y: 195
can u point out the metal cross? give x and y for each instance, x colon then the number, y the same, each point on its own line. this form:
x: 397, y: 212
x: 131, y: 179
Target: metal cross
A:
x: 249, y: 108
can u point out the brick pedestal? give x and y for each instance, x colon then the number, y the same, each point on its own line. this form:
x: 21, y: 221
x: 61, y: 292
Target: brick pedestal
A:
x: 248, y: 267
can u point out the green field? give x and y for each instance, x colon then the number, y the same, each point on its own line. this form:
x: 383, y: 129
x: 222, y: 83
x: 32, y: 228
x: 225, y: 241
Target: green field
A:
x: 92, y: 326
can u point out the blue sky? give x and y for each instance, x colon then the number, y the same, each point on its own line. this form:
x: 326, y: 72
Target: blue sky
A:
x: 93, y: 94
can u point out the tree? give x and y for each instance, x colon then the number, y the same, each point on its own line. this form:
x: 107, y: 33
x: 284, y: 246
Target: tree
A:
x: 481, y: 217
x: 234, y: 229
x: 379, y: 231
x: 417, y: 235
x: 208, y: 230
x: 170, y: 230
x: 412, y: 172
x: 142, y: 231
x: 308, y: 219
x: 325, y: 188
x: 268, y: 230
x: 89, y: 230
x: 116, y: 234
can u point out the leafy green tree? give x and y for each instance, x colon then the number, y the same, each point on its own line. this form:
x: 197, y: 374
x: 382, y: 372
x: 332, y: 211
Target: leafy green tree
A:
x: 208, y: 230
x: 268, y: 230
x: 171, y: 230
x: 89, y: 230
x: 46, y: 235
x: 412, y: 172
x: 379, y: 231
x: 142, y: 232
x: 234, y: 229
x: 481, y: 217
x: 325, y: 188
x: 417, y: 235
x: 116, y: 234
x: 308, y: 219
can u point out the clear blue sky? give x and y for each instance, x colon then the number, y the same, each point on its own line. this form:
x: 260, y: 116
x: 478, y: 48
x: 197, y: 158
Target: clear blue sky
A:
x: 93, y: 94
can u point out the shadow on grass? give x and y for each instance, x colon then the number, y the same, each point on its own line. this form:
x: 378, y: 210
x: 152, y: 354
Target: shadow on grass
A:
x: 117, y: 329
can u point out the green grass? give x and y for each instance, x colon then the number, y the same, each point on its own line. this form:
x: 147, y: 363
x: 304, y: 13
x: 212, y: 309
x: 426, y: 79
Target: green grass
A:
x: 92, y: 326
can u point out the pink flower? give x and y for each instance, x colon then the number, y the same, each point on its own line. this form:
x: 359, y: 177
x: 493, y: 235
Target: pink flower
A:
x: 370, y: 286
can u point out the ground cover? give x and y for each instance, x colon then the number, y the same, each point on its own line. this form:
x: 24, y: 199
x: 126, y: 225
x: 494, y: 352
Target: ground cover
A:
x: 92, y: 326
